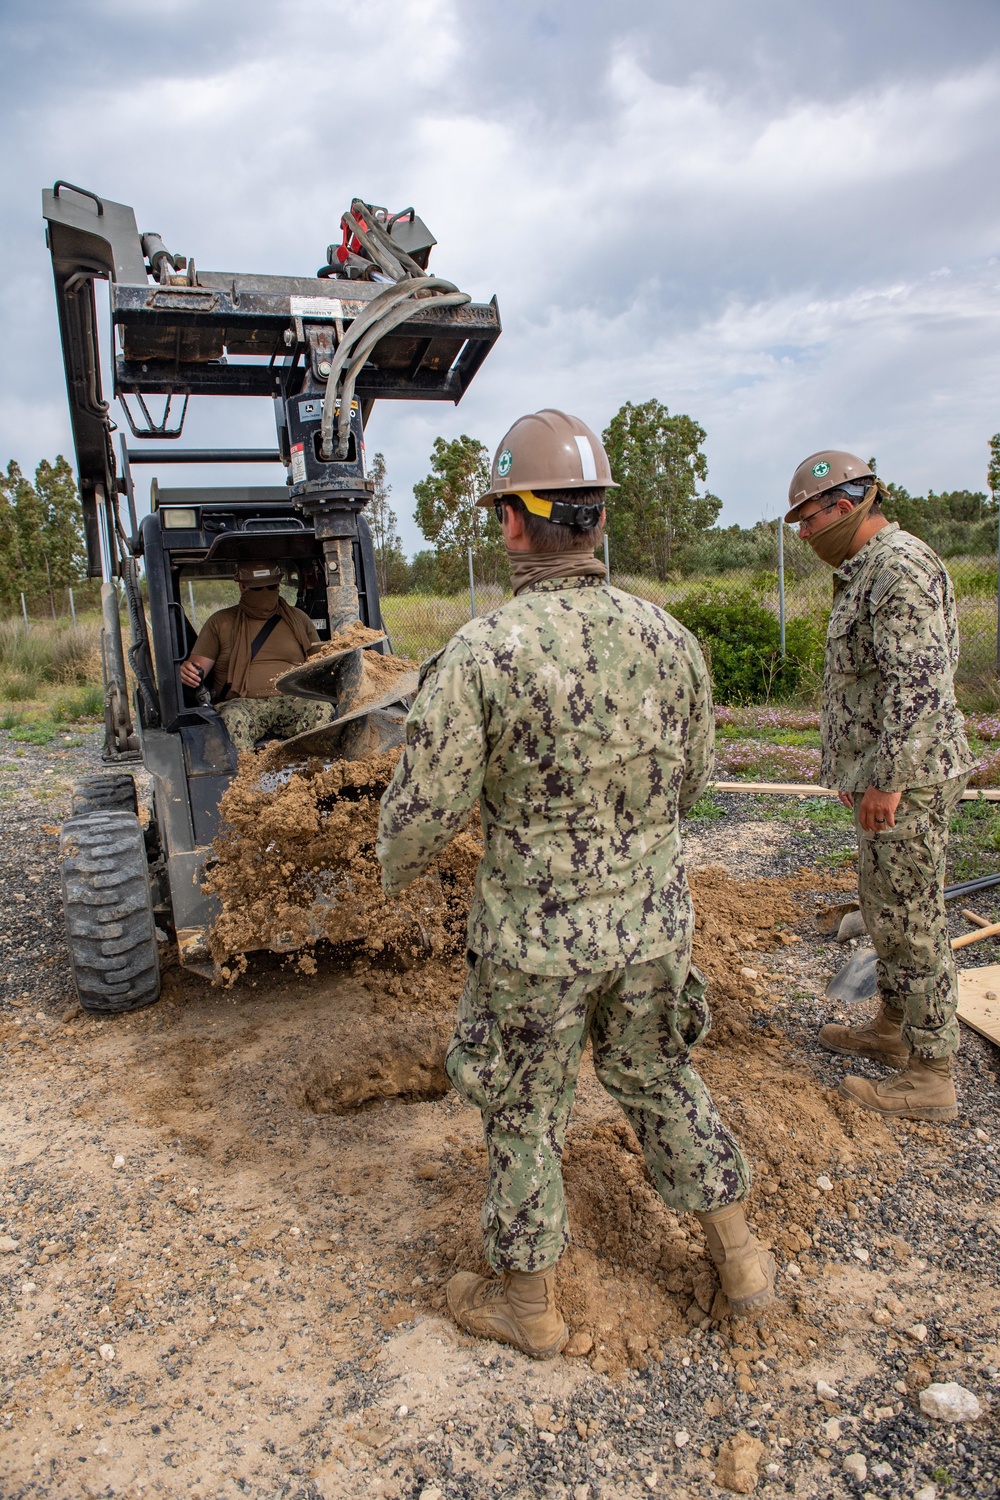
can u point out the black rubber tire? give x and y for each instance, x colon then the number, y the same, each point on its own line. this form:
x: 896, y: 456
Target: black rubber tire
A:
x: 110, y: 793
x: 107, y: 903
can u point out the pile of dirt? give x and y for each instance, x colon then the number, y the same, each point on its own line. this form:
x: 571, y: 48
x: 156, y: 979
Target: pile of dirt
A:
x: 637, y: 1273
x: 379, y: 672
x: 296, y: 865
x: 348, y: 639
x: 746, y: 917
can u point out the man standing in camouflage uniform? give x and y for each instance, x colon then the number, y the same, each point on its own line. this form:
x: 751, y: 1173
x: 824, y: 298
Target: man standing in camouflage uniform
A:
x: 894, y: 746
x: 580, y: 718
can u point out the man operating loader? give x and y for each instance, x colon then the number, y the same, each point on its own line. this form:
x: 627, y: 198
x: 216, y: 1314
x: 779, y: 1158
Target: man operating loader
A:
x: 242, y: 649
x: 894, y: 746
x: 580, y: 717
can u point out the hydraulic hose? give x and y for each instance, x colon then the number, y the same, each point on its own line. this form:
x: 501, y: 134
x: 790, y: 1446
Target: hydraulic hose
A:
x: 400, y: 314
x: 376, y: 320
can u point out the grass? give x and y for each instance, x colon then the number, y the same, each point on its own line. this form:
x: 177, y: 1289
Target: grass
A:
x: 974, y: 839
x: 822, y: 812
x: 50, y: 679
x: 707, y: 808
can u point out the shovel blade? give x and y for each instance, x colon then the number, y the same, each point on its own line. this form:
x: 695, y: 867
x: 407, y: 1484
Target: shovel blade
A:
x: 856, y: 980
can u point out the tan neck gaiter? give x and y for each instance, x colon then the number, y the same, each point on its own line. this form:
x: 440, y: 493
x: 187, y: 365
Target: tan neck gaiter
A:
x: 536, y: 567
x: 833, y: 543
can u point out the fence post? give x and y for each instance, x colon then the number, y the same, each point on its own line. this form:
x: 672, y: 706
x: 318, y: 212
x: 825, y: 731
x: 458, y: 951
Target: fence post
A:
x: 998, y: 594
x: 194, y: 617
x: 472, y: 586
x: 781, y: 584
x: 24, y: 611
x: 607, y: 564
x: 72, y: 608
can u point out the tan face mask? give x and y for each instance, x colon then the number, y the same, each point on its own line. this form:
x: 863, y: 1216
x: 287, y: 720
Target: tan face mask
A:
x: 260, y: 604
x: 535, y: 567
x: 833, y: 543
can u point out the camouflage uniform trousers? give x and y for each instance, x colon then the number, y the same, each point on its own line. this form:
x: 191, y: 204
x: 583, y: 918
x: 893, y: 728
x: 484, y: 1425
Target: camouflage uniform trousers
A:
x: 900, y: 888
x: 277, y: 718
x: 516, y: 1055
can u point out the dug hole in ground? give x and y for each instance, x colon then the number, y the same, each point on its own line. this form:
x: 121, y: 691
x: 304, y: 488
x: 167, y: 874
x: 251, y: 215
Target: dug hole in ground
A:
x: 228, y: 1220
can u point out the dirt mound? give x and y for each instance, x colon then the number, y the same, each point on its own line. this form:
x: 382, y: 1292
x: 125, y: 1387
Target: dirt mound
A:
x: 348, y: 639
x: 637, y: 1273
x: 734, y: 921
x: 296, y: 865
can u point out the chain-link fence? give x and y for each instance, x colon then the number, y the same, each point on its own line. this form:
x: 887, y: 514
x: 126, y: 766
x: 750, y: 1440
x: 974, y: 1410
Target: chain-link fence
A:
x: 781, y: 576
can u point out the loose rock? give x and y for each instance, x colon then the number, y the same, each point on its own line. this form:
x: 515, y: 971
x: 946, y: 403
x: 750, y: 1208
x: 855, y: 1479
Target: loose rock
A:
x: 827, y: 1392
x: 950, y: 1402
x: 856, y: 1465
x: 738, y: 1462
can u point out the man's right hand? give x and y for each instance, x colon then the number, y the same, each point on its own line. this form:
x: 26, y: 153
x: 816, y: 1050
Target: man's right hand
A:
x: 193, y: 672
x: 846, y: 799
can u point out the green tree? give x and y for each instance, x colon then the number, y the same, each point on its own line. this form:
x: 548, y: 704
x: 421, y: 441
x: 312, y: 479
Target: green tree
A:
x: 993, y: 471
x: 658, y: 461
x: 41, y: 531
x: 391, y: 567
x: 62, y: 523
x: 449, y: 517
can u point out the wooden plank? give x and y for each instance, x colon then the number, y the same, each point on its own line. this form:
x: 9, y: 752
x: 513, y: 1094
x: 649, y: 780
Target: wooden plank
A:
x: 806, y: 789
x: 979, y: 1000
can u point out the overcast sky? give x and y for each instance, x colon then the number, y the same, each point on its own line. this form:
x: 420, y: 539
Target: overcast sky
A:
x: 778, y: 217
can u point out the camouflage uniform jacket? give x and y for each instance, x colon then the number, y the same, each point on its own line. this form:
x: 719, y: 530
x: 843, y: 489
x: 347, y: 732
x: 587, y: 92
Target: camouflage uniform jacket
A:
x: 581, y: 718
x: 889, y: 718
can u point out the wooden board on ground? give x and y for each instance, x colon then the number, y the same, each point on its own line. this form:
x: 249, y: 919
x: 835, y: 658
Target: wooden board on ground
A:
x: 807, y: 789
x: 979, y: 1000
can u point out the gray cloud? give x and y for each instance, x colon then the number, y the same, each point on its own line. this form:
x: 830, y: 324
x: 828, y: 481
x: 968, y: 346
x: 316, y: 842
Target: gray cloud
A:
x: 783, y: 222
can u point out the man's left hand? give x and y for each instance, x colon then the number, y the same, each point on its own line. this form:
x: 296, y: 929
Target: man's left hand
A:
x: 878, y: 810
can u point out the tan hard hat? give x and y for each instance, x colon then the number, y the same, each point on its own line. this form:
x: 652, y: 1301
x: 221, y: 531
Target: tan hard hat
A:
x: 259, y: 575
x: 548, y: 450
x: 821, y: 472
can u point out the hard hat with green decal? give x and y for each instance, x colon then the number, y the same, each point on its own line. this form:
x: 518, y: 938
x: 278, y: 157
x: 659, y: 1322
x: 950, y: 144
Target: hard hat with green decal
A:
x: 824, y: 471
x: 549, y: 450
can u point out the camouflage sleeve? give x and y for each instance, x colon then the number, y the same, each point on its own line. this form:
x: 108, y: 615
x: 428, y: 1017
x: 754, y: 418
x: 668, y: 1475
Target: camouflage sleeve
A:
x: 440, y: 773
x: 699, y: 755
x: 913, y: 654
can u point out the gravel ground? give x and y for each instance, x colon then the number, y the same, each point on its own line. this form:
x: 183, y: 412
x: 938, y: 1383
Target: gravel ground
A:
x: 208, y: 1290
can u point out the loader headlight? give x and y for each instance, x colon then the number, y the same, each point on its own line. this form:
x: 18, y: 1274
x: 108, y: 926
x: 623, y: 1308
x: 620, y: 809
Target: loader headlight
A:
x: 179, y: 518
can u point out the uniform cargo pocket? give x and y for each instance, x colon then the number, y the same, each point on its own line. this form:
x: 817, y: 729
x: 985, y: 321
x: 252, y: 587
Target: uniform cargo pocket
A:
x: 475, y: 1062
x: 689, y: 1019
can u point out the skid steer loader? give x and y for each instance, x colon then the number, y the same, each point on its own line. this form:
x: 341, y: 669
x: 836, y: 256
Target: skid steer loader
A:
x: 372, y: 323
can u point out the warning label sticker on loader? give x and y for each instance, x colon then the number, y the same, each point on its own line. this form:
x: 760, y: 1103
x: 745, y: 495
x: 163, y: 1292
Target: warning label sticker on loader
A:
x: 316, y: 307
x: 298, y: 463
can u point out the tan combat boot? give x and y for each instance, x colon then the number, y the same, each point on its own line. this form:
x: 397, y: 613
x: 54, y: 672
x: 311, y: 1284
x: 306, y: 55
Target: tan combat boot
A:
x: 925, y: 1091
x: 746, y: 1269
x: 880, y: 1038
x: 519, y: 1309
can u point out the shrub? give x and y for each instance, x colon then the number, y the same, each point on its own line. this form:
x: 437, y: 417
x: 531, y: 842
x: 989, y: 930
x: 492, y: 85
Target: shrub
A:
x: 741, y: 639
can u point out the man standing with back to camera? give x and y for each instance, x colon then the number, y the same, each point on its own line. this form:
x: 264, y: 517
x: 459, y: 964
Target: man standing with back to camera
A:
x: 580, y: 718
x: 894, y: 747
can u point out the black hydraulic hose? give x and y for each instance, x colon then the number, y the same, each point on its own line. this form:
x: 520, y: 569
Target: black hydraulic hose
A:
x: 966, y: 887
